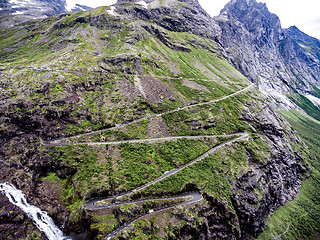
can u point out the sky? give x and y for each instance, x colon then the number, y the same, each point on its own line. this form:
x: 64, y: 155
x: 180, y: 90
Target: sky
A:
x: 304, y: 14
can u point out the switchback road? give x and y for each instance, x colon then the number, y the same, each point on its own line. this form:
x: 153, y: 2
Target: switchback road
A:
x: 191, y: 197
x: 92, y: 204
x: 58, y: 141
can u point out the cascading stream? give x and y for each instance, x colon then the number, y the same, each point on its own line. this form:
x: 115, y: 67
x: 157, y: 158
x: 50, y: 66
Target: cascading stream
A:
x: 41, y: 218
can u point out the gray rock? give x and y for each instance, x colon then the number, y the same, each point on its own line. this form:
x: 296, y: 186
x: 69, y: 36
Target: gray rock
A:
x: 260, y: 49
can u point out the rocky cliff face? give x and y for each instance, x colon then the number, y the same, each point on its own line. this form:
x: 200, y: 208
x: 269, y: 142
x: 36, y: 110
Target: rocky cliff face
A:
x: 12, y: 12
x: 310, y: 44
x: 174, y: 15
x: 15, y: 12
x: 14, y: 223
x: 110, y: 66
x: 277, y: 177
x: 264, y: 52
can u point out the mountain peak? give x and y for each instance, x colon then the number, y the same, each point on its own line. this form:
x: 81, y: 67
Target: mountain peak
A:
x: 159, y: 2
x: 244, y: 6
x: 254, y: 16
x: 173, y: 4
x: 295, y: 28
x: 295, y: 31
x: 311, y: 44
x: 173, y: 15
x: 248, y: 2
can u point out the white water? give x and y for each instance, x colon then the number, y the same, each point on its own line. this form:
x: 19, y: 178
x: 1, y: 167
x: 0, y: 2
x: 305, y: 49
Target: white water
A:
x: 41, y: 218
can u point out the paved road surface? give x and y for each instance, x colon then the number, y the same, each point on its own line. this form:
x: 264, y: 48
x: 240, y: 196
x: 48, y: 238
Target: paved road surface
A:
x: 90, y: 205
x: 195, y: 196
x: 58, y: 141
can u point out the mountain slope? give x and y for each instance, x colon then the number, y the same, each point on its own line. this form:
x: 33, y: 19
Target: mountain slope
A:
x: 261, y: 50
x: 284, y: 63
x: 308, y: 43
x: 26, y: 10
x: 14, y: 12
x: 141, y: 71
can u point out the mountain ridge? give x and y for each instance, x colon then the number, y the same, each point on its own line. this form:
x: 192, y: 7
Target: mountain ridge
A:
x: 312, y: 44
x: 263, y: 52
x: 132, y: 71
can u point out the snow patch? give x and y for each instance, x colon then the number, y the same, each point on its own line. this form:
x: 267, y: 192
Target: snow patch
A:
x: 14, y: 2
x: 72, y: 5
x: 18, y: 13
x: 111, y: 10
x: 278, y: 95
x: 313, y: 99
x: 21, y: 3
x: 80, y: 7
x: 304, y: 46
x: 143, y: 3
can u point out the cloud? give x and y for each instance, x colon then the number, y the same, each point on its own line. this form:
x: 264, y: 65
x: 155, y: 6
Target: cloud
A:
x: 312, y: 28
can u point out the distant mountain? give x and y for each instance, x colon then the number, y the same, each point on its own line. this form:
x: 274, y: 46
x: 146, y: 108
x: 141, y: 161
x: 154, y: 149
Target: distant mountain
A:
x: 32, y: 8
x: 267, y: 54
x: 310, y: 44
x: 78, y: 7
x: 16, y: 11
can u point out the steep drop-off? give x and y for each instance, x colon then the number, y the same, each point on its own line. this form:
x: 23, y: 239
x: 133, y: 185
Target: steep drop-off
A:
x: 267, y: 54
x: 90, y: 76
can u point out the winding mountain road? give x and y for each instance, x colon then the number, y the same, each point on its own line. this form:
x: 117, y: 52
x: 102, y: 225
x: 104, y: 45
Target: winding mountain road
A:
x: 92, y: 204
x: 195, y: 197
x: 55, y: 143
x: 242, y: 136
x: 58, y: 141
x: 95, y: 204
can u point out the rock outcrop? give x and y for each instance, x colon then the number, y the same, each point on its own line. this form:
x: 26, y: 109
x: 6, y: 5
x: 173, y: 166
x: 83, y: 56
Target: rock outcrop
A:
x: 279, y: 178
x: 173, y: 15
x: 130, y: 78
x: 264, y: 52
x: 21, y: 11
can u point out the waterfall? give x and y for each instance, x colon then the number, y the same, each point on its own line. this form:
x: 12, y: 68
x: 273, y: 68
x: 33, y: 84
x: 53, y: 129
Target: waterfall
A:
x: 41, y: 218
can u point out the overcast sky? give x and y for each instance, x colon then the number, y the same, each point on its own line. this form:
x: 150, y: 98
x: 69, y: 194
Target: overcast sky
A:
x: 305, y: 14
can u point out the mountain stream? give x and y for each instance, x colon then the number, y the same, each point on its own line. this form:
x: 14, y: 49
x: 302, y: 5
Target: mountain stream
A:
x: 40, y: 218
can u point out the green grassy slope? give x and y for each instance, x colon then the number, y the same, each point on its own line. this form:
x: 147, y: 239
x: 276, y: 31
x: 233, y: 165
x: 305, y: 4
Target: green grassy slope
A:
x: 306, y: 105
x: 88, y: 71
x: 73, y: 57
x: 75, y: 75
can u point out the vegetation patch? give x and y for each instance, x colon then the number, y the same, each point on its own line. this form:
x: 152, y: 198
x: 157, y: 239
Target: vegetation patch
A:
x: 222, y: 117
x: 306, y: 105
x: 211, y: 175
x: 300, y: 218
